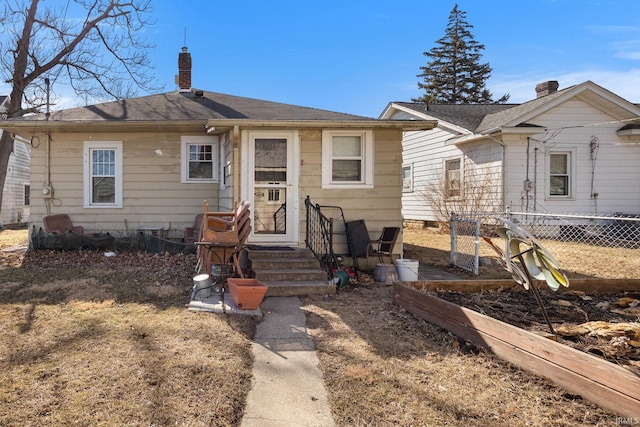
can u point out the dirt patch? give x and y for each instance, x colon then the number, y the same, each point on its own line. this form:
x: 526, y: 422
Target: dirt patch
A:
x: 595, y: 313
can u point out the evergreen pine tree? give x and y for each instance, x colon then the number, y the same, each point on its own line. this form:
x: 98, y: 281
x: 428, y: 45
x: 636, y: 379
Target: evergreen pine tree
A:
x: 454, y: 75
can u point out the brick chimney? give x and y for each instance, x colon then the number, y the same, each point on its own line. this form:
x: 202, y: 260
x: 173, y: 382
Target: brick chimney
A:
x: 546, y: 88
x: 184, y: 71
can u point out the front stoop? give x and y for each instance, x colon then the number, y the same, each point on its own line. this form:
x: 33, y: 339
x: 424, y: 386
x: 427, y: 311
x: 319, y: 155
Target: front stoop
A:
x: 290, y: 272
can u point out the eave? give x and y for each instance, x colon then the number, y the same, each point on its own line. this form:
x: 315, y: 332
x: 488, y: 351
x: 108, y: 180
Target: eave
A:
x: 27, y: 128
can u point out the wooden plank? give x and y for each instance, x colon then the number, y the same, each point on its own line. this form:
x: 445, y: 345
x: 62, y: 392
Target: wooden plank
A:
x: 605, y: 384
x: 584, y: 285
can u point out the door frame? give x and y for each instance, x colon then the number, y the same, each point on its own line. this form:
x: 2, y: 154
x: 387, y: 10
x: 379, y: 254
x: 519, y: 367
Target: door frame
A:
x: 247, y: 181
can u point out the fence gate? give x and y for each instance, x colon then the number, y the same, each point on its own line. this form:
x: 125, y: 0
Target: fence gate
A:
x: 465, y: 243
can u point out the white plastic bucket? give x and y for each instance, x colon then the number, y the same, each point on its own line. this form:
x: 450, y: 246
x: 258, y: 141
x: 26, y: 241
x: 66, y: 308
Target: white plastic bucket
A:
x: 407, y: 269
x: 201, y: 286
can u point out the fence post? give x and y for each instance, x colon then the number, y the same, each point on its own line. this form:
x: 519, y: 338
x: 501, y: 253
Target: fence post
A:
x: 453, y: 224
x: 476, y: 257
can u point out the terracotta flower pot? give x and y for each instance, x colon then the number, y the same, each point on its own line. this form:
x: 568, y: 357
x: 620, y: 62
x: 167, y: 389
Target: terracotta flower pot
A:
x: 247, y: 294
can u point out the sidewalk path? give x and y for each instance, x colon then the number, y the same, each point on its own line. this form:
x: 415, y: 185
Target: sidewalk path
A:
x: 288, y: 388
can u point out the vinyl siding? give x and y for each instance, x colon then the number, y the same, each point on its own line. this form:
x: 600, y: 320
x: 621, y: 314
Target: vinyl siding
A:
x: 616, y: 174
x: 379, y: 206
x: 427, y: 151
x: 153, y: 195
x: 13, y: 207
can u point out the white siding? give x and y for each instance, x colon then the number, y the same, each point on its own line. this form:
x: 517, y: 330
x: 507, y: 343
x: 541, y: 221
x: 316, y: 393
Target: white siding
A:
x: 616, y: 174
x: 14, y: 209
x: 426, y: 152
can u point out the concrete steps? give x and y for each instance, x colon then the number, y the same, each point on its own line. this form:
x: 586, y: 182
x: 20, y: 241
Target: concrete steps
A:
x: 289, y: 272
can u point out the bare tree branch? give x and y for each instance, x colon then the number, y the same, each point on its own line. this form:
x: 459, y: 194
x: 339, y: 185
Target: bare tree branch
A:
x: 92, y: 46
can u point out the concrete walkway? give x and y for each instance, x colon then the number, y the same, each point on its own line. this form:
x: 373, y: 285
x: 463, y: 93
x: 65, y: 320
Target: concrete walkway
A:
x: 288, y: 388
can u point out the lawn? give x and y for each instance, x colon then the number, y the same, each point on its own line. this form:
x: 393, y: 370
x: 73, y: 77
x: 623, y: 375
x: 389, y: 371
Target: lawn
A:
x: 93, y: 340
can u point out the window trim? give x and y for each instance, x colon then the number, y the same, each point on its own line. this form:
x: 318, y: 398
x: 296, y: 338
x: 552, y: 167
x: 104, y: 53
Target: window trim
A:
x: 445, y: 177
x: 88, y: 146
x: 410, y: 187
x: 185, y: 142
x: 367, y: 156
x: 571, y: 173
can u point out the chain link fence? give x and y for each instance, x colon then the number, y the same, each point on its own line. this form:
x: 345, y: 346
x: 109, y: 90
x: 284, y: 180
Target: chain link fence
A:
x: 584, y: 245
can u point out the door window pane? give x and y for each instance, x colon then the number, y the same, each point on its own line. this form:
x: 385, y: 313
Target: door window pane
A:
x: 270, y: 160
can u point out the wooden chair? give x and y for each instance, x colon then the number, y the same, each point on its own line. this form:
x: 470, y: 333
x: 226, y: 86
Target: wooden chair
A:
x: 192, y: 234
x: 223, y: 236
x: 60, y: 224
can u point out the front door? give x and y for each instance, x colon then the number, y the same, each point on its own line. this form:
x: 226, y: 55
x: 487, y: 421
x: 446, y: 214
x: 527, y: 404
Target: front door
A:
x: 272, y: 186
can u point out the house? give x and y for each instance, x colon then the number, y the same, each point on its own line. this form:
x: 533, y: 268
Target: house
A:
x: 566, y: 151
x: 17, y: 192
x: 151, y: 162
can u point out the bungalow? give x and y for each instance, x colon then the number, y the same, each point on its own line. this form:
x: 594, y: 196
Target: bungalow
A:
x: 566, y: 151
x: 151, y: 162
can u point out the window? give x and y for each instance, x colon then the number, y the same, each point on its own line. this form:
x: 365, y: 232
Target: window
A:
x: 559, y: 167
x: 407, y: 178
x: 103, y: 174
x: 27, y: 195
x: 199, y: 159
x: 347, y: 159
x: 274, y: 195
x: 452, y: 178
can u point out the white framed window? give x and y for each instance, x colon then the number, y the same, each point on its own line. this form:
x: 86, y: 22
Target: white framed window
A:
x: 199, y: 159
x: 560, y: 173
x: 453, y: 177
x: 407, y: 178
x: 102, y: 174
x: 347, y: 159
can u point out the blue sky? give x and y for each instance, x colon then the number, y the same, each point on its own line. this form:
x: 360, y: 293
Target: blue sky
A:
x: 356, y: 56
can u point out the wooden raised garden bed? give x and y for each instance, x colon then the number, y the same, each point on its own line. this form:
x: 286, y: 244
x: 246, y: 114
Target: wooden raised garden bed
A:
x: 603, y: 383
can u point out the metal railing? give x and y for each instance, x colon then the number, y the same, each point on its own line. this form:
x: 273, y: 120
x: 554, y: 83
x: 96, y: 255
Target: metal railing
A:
x: 319, y: 236
x: 280, y: 219
x: 584, y: 245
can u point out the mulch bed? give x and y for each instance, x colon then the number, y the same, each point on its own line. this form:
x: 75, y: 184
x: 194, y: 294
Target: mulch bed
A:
x: 603, y: 325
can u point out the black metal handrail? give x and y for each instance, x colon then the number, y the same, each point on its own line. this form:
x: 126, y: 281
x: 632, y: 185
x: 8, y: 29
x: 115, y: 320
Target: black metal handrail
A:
x: 282, y: 214
x: 319, y: 236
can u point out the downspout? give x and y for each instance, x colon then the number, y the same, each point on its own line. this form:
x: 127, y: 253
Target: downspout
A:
x: 47, y: 189
x: 236, y: 164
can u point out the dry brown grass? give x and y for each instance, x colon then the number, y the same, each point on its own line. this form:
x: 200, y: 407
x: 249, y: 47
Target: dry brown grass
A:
x: 90, y: 340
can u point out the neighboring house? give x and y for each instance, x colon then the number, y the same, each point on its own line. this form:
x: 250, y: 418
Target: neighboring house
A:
x: 567, y: 151
x: 16, y: 194
x: 152, y: 161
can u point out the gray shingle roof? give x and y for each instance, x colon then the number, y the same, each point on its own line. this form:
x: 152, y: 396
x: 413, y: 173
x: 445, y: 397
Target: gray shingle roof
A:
x: 467, y: 116
x: 175, y: 106
x: 480, y: 117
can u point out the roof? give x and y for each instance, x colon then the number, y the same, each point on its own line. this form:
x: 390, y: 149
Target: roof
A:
x: 198, y: 109
x: 489, y: 118
x: 185, y: 106
x: 467, y: 116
